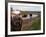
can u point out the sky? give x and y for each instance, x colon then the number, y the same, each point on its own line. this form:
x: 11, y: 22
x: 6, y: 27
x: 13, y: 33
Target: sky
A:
x: 26, y: 8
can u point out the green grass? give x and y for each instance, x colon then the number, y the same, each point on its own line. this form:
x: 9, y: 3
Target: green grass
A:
x: 36, y: 24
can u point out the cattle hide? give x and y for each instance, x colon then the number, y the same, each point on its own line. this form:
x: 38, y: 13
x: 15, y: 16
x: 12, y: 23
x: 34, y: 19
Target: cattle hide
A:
x: 16, y: 23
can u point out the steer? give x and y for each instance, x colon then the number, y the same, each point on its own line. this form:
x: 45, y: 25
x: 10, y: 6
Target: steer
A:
x: 16, y: 23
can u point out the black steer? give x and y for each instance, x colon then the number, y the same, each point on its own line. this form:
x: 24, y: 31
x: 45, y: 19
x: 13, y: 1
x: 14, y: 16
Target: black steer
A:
x: 16, y: 23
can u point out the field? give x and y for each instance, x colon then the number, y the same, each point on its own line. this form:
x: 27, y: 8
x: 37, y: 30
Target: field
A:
x: 34, y: 24
x: 30, y: 20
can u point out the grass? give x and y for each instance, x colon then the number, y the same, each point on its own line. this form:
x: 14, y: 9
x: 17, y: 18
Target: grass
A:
x: 36, y: 24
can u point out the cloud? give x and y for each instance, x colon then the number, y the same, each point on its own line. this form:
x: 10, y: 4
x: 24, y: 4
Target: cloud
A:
x: 26, y: 8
